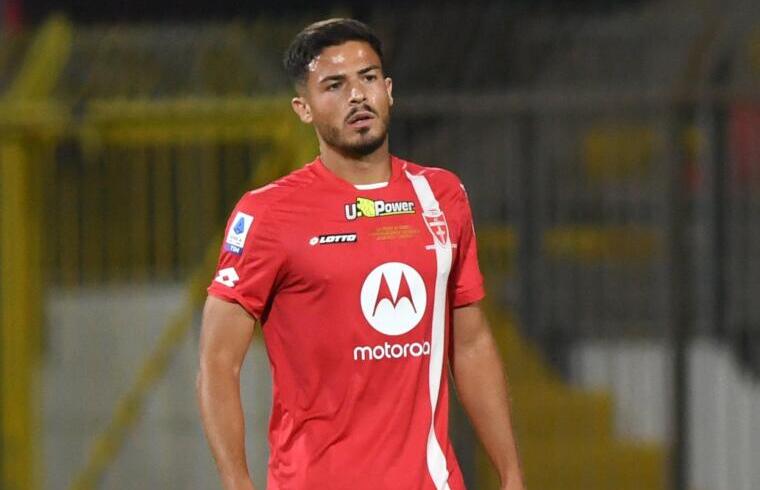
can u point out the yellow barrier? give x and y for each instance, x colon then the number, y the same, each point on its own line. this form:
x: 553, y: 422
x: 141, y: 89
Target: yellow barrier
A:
x: 289, y: 143
x: 629, y: 244
x: 28, y: 124
x: 18, y: 320
x: 44, y: 61
x: 154, y: 180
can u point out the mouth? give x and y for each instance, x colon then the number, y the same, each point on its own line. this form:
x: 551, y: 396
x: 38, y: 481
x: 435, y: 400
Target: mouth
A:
x: 360, y: 118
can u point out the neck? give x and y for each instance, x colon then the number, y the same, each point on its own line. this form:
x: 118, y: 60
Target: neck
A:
x: 361, y: 170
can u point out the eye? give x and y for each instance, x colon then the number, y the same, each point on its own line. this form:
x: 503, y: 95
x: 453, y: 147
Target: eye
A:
x: 333, y: 86
x: 370, y: 77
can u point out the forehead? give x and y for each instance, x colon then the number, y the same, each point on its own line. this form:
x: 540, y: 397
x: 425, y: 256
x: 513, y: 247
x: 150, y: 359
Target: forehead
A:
x: 343, y: 58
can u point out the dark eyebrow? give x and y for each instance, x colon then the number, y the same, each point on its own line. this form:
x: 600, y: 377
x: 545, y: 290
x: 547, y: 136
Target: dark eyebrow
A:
x: 335, y: 78
x: 332, y: 78
x: 368, y: 69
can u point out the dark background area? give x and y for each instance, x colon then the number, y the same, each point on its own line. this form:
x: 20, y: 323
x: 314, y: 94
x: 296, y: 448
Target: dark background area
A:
x: 146, y: 10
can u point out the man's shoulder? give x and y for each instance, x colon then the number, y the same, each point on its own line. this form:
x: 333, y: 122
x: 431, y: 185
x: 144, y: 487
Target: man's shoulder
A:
x: 440, y: 179
x: 262, y: 199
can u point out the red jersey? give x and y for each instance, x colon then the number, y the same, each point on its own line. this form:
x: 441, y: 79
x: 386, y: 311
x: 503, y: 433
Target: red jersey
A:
x: 354, y: 287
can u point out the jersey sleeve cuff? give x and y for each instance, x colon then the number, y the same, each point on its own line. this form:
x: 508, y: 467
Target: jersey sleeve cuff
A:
x: 233, y: 297
x: 469, y: 296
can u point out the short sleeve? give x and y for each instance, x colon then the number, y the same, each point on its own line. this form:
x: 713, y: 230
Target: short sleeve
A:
x: 466, y: 277
x: 250, y: 259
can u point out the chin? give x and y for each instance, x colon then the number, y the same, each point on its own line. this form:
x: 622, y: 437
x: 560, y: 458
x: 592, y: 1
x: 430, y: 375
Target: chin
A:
x: 363, y: 147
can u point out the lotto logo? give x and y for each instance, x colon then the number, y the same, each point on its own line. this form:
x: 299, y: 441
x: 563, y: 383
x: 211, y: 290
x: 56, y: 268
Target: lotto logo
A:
x: 332, y: 239
x: 227, y: 276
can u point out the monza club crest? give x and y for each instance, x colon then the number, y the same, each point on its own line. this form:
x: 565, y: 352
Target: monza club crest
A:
x: 435, y: 221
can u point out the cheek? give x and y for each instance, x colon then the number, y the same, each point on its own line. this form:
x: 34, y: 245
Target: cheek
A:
x: 325, y: 112
x: 381, y: 101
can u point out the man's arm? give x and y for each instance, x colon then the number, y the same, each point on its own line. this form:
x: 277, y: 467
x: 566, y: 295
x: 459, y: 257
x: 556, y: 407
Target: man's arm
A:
x: 482, y: 389
x: 225, y: 337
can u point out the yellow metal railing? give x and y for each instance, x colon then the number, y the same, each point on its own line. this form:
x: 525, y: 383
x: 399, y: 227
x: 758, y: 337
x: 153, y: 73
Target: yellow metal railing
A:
x: 266, y: 123
x: 44, y: 62
x: 28, y: 125
x: 153, y: 180
x: 19, y: 317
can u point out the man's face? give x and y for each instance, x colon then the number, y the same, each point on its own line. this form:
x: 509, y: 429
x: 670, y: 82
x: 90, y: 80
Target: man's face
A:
x: 347, y: 98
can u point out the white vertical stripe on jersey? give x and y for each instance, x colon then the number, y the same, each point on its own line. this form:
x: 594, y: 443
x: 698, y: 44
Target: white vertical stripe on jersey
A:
x: 436, y: 460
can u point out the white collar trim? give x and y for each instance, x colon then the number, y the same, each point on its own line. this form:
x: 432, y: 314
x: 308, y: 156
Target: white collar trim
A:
x: 367, y: 187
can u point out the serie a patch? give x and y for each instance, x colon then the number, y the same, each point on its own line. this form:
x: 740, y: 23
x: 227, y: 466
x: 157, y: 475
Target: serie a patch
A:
x: 237, y: 233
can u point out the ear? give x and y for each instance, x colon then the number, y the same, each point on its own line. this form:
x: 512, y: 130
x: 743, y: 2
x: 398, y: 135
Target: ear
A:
x: 301, y: 107
x: 389, y: 89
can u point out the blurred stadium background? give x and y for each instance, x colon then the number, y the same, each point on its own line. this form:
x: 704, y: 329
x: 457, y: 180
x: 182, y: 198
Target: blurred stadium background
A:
x: 612, y: 152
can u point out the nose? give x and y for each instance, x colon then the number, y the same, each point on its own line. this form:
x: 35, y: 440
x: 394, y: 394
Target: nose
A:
x: 357, y: 95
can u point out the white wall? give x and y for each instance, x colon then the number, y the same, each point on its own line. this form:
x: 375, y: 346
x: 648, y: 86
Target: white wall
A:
x: 96, y: 341
x: 638, y: 376
x: 724, y: 450
x: 725, y: 421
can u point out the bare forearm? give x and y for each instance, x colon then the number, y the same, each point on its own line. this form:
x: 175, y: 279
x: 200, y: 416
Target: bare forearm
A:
x: 483, y: 391
x: 218, y: 390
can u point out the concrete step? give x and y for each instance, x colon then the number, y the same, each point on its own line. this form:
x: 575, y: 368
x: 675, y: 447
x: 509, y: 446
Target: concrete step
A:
x: 558, y: 412
x: 609, y: 466
x: 564, y: 433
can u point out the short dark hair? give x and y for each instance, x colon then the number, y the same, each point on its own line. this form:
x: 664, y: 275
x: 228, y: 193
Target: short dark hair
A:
x: 310, y: 42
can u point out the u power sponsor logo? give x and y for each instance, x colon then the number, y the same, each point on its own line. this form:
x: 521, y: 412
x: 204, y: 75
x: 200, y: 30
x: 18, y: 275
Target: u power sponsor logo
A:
x: 371, y: 208
x: 393, y: 301
x: 333, y: 239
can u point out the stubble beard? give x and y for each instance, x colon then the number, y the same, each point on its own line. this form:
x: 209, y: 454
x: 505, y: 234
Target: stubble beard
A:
x: 365, y: 146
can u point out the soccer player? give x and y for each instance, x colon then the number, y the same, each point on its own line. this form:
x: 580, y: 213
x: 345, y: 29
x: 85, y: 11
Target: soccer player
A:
x: 362, y: 270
